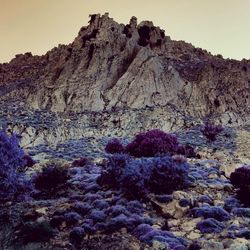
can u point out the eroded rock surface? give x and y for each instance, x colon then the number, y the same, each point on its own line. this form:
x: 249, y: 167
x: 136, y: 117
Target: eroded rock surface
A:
x: 111, y: 65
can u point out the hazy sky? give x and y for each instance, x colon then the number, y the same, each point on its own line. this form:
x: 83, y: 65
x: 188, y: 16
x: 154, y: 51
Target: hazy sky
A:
x: 220, y: 26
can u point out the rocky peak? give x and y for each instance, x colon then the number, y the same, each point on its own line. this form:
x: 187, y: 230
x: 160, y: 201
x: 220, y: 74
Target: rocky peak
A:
x: 111, y: 65
x: 133, y: 22
x: 100, y: 28
x: 150, y: 35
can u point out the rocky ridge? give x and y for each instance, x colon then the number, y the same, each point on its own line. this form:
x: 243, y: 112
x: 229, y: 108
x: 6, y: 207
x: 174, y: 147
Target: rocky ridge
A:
x: 111, y: 65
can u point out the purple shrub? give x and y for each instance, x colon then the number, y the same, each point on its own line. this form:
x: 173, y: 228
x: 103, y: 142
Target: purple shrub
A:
x: 147, y: 234
x: 134, y: 207
x: 82, y: 207
x: 89, y: 222
x: 244, y: 233
x: 114, y: 168
x: 231, y: 203
x: 241, y: 212
x: 72, y: 218
x: 184, y: 202
x: 168, y: 176
x: 97, y: 215
x: 210, y: 226
x: 210, y: 131
x: 240, y: 178
x: 101, y: 226
x: 51, y: 178
x: 152, y: 143
x: 117, y: 223
x: 90, y: 197
x: 217, y: 213
x: 114, y: 146
x: 143, y: 219
x: 120, y: 201
x: 13, y: 184
x: 100, y: 204
x: 138, y: 177
x: 77, y: 235
x: 141, y: 230
x: 205, y: 199
x: 88, y: 228
x: 133, y: 180
x: 117, y: 210
x: 164, y: 198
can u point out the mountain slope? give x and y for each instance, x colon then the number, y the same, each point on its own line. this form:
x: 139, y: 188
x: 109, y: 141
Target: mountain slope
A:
x: 110, y: 65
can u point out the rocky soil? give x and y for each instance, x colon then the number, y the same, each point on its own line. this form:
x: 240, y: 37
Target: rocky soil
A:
x: 211, y: 187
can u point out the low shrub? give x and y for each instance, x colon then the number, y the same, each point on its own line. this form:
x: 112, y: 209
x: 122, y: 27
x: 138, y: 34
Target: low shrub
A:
x: 152, y: 143
x: 72, y: 218
x: 210, y: 226
x: 167, y: 175
x: 205, y: 199
x: 210, y: 131
x: 147, y: 234
x: 164, y: 198
x: 184, y: 202
x: 51, y: 178
x: 138, y: 177
x: 231, y: 203
x: 82, y: 207
x: 206, y: 212
x: 97, y: 215
x: 114, y: 146
x: 118, y: 222
x: 244, y: 233
x: 113, y: 170
x: 241, y: 212
x: 77, y: 235
x: 240, y: 178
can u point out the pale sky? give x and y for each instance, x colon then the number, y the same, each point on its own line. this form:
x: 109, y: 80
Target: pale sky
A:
x: 219, y: 26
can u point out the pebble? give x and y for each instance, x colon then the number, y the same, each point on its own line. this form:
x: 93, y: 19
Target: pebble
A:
x: 193, y: 236
x: 190, y: 225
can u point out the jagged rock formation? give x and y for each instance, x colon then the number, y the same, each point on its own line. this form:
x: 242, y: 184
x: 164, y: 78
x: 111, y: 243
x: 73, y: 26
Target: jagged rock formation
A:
x: 111, y: 65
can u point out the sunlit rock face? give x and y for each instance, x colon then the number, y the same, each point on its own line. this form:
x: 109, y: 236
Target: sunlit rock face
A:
x: 111, y: 65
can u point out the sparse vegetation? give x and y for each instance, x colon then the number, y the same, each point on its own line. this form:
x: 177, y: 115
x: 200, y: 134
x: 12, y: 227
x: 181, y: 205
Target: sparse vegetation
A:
x: 210, y: 130
x: 114, y: 146
x: 138, y: 177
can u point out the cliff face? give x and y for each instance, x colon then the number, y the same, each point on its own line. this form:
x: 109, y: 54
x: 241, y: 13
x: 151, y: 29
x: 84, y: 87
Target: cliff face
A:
x: 111, y: 65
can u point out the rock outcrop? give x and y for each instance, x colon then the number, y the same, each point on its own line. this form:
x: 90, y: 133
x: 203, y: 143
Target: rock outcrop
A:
x: 133, y: 66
